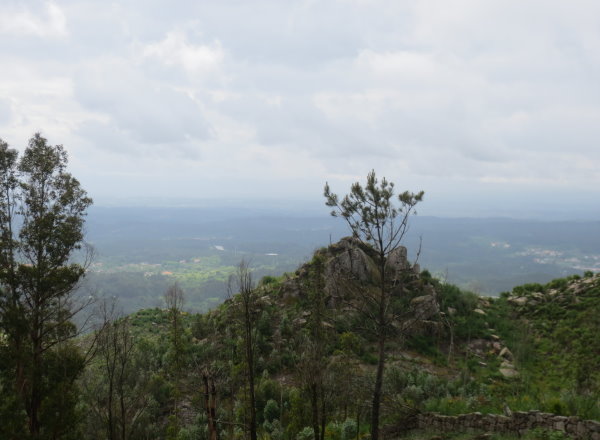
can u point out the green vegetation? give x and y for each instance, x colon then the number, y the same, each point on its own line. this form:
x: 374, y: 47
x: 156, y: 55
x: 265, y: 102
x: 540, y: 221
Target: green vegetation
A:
x: 42, y: 210
x: 379, y: 223
x: 561, y: 361
x: 355, y: 339
x: 450, y: 367
x: 203, y: 276
x: 425, y: 372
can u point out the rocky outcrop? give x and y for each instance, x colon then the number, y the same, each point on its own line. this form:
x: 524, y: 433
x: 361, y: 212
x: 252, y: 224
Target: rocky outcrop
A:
x: 354, y: 260
x: 567, y: 294
x: 350, y: 260
x: 482, y: 348
x: 426, y: 306
x: 347, y: 262
x: 349, y: 265
x: 397, y: 261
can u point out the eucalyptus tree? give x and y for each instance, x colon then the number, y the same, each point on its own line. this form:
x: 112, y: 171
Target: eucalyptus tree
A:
x: 174, y: 300
x: 313, y: 368
x: 42, y: 212
x: 115, y: 387
x: 379, y: 220
x: 246, y: 311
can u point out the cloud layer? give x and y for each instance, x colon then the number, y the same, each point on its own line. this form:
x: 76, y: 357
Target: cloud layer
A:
x: 271, y: 99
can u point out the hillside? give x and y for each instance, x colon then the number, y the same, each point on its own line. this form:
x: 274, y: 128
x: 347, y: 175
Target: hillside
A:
x: 450, y: 351
x: 562, y: 321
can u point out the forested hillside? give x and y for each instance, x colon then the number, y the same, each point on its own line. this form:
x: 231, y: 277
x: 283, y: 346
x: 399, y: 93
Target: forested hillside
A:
x: 314, y: 354
x: 357, y: 342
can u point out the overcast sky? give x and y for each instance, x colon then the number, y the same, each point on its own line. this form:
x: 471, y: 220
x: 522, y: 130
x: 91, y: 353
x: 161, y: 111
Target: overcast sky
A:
x: 491, y: 107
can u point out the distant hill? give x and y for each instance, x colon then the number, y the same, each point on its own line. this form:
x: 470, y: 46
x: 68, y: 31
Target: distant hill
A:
x: 140, y: 251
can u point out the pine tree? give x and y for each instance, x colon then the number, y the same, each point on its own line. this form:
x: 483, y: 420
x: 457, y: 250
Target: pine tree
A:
x: 376, y: 220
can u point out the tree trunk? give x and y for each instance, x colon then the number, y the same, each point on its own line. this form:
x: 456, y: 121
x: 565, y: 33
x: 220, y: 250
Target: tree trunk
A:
x: 213, y: 409
x: 35, y: 397
x: 250, y: 361
x: 381, y: 329
x: 314, y: 401
x: 109, y: 407
x: 378, y: 388
x: 123, y: 408
x: 323, y: 415
x: 210, y: 404
x: 358, y: 422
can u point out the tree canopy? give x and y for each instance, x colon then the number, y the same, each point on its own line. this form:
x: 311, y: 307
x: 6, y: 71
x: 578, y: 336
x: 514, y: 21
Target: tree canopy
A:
x: 42, y: 212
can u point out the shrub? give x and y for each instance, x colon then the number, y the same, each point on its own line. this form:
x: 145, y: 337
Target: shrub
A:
x: 528, y: 288
x: 424, y: 344
x: 333, y: 431
x: 192, y: 433
x: 271, y: 411
x: 306, y: 434
x: 555, y: 406
x: 267, y: 279
x: 276, y: 430
x: 351, y: 343
x: 348, y: 429
x: 369, y: 358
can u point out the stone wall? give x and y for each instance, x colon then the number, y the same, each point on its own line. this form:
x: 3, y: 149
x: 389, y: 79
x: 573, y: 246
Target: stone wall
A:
x: 518, y: 423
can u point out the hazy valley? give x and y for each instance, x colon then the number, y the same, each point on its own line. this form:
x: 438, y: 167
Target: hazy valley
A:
x: 140, y: 251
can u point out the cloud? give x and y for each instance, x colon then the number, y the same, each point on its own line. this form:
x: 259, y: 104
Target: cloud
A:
x: 149, y: 112
x: 5, y: 111
x: 47, y: 20
x: 275, y: 93
x: 175, y: 50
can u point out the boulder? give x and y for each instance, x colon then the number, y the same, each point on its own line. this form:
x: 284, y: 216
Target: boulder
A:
x: 397, y: 260
x: 518, y: 300
x: 509, y: 372
x: 505, y: 353
x: 537, y: 295
x: 352, y: 262
x: 425, y: 306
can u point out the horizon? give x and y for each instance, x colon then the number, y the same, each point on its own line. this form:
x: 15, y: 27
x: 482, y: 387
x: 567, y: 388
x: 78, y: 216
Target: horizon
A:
x: 521, y: 210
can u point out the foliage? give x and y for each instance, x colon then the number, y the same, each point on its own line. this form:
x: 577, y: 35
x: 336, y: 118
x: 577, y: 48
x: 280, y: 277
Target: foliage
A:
x: 380, y: 224
x: 42, y: 211
x: 348, y: 429
x: 309, y: 351
x: 306, y: 434
x: 271, y: 411
x: 464, y: 384
x: 562, y: 363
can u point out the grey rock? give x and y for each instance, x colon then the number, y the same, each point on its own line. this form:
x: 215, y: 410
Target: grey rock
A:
x: 519, y: 301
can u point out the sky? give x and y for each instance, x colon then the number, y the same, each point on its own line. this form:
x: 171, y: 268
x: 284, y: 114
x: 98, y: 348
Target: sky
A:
x: 491, y: 107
